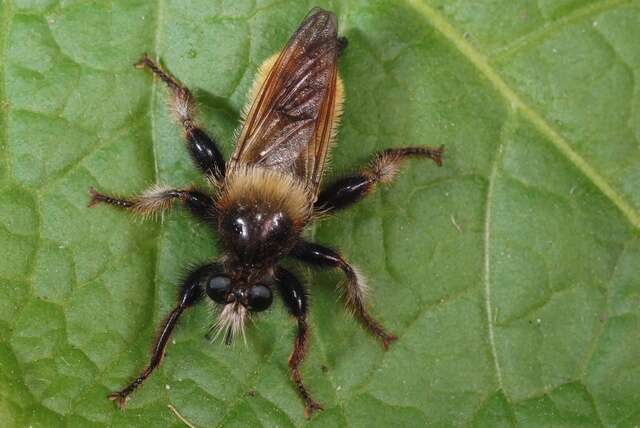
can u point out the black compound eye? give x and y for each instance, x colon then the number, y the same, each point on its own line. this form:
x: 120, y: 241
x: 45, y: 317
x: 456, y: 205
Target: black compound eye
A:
x: 260, y: 298
x: 218, y: 287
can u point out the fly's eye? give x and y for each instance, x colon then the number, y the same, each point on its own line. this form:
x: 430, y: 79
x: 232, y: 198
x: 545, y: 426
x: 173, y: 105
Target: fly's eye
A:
x: 218, y: 287
x: 260, y: 298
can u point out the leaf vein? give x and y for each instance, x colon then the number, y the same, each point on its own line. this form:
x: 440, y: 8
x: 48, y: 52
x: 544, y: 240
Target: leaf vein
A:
x: 486, y: 280
x: 507, y: 51
x: 516, y: 102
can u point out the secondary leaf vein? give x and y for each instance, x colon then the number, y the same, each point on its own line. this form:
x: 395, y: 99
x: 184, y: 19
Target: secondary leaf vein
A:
x: 486, y: 280
x: 520, y: 43
x: 516, y: 103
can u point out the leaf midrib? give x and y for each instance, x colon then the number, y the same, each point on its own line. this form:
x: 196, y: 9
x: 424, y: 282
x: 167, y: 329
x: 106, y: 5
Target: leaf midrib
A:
x: 515, y: 102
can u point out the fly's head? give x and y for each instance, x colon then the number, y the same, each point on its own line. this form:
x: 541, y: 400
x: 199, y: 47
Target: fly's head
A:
x: 240, y: 292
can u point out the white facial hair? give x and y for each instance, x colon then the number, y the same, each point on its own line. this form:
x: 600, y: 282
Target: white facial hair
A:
x: 231, y: 321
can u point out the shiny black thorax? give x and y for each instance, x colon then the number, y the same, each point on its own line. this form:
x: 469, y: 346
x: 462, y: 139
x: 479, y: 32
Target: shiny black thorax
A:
x: 254, y: 235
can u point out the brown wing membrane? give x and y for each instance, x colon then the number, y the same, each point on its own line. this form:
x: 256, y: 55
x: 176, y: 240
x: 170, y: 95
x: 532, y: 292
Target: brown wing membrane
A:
x: 293, y: 113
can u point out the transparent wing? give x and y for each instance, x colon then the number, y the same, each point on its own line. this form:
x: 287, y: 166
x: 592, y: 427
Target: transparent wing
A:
x: 295, y: 105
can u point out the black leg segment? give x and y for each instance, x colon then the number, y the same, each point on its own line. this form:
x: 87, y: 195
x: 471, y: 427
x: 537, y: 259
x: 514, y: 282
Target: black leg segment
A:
x: 344, y: 192
x: 384, y: 167
x: 158, y: 199
x: 190, y: 292
x: 205, y: 153
x: 203, y: 149
x: 292, y: 291
x: 355, y: 288
x: 295, y: 299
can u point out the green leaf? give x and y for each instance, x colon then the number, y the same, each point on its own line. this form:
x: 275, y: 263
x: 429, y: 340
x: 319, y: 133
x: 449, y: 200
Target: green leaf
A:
x: 510, y: 275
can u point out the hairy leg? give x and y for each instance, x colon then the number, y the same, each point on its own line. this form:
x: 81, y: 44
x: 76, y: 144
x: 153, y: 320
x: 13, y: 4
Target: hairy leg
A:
x: 158, y: 199
x: 203, y: 149
x: 355, y: 287
x: 384, y: 167
x: 190, y: 292
x: 295, y: 300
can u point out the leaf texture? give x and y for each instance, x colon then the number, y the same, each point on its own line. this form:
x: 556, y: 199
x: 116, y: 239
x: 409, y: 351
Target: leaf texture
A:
x: 510, y: 275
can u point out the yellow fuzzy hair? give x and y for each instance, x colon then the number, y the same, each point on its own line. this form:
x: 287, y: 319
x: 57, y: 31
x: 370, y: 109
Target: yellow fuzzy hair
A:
x: 261, y: 75
x: 251, y: 184
x: 337, y: 114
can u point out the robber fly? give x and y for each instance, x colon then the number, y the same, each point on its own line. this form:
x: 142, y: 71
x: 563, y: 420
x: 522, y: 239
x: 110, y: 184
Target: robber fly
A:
x: 261, y: 200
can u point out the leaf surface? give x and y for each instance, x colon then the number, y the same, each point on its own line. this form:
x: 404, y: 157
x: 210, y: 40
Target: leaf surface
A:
x: 510, y: 275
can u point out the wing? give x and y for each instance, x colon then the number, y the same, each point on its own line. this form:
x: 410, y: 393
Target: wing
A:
x: 296, y: 102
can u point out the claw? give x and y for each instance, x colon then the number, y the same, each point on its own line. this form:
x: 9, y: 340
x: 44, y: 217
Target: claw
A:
x: 95, y: 197
x: 142, y: 62
x: 311, y: 407
x: 437, y: 155
x: 387, y: 339
x: 119, y: 398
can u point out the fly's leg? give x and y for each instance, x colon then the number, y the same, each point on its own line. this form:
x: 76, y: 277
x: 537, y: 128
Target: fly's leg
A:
x: 355, y: 288
x: 295, y: 300
x: 190, y: 293
x: 157, y: 200
x: 385, y: 166
x: 202, y: 148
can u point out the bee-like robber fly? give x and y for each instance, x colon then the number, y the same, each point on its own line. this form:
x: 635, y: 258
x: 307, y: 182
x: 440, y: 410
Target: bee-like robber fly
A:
x: 261, y: 200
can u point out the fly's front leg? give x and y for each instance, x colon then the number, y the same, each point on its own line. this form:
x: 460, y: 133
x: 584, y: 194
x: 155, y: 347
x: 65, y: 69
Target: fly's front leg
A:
x: 190, y: 292
x: 384, y: 167
x: 203, y: 149
x: 355, y: 287
x: 295, y: 299
x: 158, y: 199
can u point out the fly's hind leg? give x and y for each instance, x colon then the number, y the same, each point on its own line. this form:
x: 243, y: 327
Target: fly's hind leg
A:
x: 202, y: 148
x: 385, y: 166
